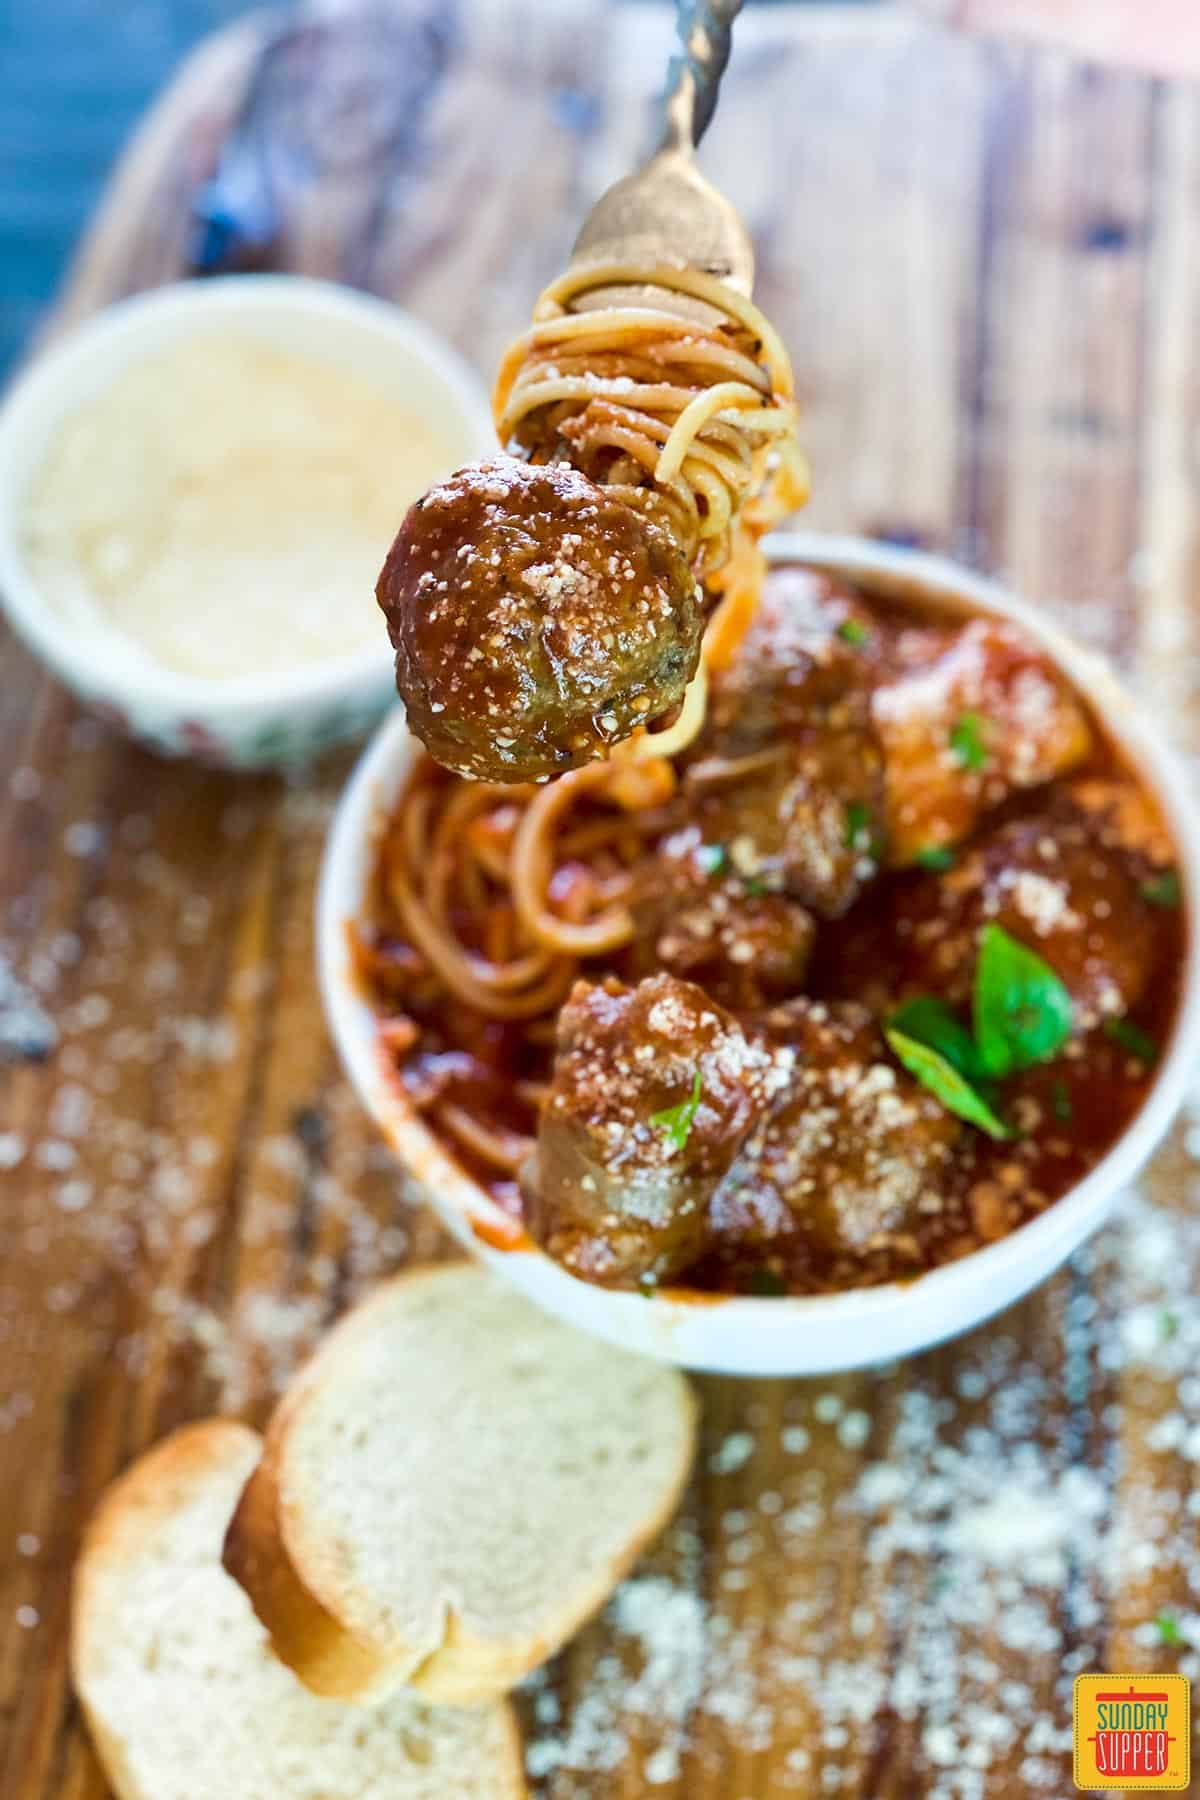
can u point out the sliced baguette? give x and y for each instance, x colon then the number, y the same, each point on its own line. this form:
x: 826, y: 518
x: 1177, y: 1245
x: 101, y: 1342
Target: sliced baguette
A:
x: 455, y: 1482
x: 183, y: 1696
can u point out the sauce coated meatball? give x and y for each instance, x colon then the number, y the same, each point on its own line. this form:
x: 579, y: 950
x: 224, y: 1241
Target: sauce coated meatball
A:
x: 535, y: 619
x: 852, y: 1152
x: 655, y: 1087
x: 1061, y: 882
x: 978, y: 713
x: 789, y: 771
x: 698, y: 917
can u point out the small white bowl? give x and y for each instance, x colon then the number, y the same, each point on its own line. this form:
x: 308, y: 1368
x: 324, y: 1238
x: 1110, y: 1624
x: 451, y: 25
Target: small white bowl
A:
x: 251, y: 720
x: 774, y: 1336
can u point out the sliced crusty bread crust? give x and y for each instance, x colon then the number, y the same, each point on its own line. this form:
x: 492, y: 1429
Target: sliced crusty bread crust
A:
x: 182, y: 1693
x: 453, y: 1485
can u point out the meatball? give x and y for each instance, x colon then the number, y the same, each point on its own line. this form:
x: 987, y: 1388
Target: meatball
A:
x: 1061, y: 881
x: 812, y: 650
x: 697, y: 917
x: 975, y: 714
x: 535, y: 619
x: 850, y: 1156
x: 654, y: 1090
x: 789, y: 772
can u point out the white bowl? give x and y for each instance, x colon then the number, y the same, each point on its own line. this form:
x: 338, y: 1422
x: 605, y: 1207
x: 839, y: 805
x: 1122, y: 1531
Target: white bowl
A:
x: 773, y: 1336
x: 251, y: 720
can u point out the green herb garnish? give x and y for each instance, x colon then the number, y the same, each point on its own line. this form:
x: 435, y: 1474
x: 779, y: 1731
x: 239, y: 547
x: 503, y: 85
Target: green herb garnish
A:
x: 712, y: 858
x: 858, y: 826
x: 945, y: 1082
x: 1167, y: 1626
x: 766, y: 1284
x: 1022, y: 1011
x: 1060, y: 1102
x: 967, y: 740
x: 1163, y: 890
x: 1131, y: 1037
x: 931, y: 1022
x: 676, y: 1121
x: 755, y: 887
x: 1022, y: 1016
x: 1168, y: 1323
x: 937, y: 857
x: 852, y: 631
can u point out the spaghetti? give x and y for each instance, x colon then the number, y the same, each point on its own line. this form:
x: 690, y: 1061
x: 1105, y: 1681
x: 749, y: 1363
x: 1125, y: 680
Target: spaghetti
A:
x: 688, y: 421
x: 503, y: 893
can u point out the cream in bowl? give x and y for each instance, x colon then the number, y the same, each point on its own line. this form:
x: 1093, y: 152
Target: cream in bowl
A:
x: 196, y: 493
x: 828, y: 1053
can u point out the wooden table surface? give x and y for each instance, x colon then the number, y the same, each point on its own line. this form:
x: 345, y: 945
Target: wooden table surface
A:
x: 987, y: 265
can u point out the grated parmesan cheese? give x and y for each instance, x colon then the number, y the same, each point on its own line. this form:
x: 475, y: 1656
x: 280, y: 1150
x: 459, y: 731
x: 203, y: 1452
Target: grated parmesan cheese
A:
x: 226, y: 507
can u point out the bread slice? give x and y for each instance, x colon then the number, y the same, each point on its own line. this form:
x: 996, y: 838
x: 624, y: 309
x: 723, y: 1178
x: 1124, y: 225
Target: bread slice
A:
x: 176, y: 1676
x: 455, y: 1482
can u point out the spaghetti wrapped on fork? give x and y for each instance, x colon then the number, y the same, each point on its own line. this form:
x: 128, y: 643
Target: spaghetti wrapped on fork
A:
x: 551, y: 607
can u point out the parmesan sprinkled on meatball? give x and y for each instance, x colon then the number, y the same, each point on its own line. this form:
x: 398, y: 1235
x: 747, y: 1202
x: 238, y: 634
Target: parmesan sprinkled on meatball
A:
x: 536, y: 620
x: 655, y: 1087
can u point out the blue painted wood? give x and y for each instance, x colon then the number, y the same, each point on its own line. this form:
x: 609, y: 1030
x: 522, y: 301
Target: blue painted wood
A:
x: 75, y: 75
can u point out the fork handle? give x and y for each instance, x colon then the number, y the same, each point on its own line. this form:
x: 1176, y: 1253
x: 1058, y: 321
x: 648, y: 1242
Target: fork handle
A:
x: 705, y: 30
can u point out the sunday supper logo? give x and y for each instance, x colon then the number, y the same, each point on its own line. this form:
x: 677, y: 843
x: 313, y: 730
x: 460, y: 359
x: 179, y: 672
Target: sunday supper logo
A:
x: 1132, y: 1732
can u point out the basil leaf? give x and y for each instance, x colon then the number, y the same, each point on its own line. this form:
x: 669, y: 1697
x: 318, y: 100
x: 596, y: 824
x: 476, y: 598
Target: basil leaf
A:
x: 676, y: 1121
x: 1163, y: 890
x: 1022, y: 1010
x: 930, y: 1021
x: 968, y: 742
x: 946, y: 1083
x: 937, y: 857
x: 1131, y: 1037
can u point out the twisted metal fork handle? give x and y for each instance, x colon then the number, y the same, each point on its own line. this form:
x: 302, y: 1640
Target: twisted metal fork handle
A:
x: 705, y: 30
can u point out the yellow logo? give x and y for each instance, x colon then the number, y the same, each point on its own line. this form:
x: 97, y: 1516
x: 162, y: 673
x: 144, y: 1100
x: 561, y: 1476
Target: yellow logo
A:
x: 1133, y: 1731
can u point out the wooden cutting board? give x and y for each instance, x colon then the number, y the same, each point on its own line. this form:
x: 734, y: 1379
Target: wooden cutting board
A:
x: 987, y: 267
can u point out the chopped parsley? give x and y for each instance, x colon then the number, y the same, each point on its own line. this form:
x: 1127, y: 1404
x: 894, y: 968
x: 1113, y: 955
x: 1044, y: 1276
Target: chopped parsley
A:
x: 1131, y: 1037
x: 1168, y: 1324
x: 967, y: 740
x: 853, y: 631
x: 712, y: 858
x: 1167, y: 1626
x: 1060, y: 1102
x: 766, y: 1284
x: 946, y: 1083
x: 858, y: 826
x: 676, y: 1121
x: 755, y: 887
x: 937, y: 857
x: 1022, y: 1011
x: 1163, y: 890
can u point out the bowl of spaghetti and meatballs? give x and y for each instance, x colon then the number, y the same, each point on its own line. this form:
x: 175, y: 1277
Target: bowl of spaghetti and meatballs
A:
x: 827, y: 1046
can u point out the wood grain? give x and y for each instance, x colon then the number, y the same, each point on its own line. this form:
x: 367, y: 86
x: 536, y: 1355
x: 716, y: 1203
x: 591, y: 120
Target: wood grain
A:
x: 985, y: 263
